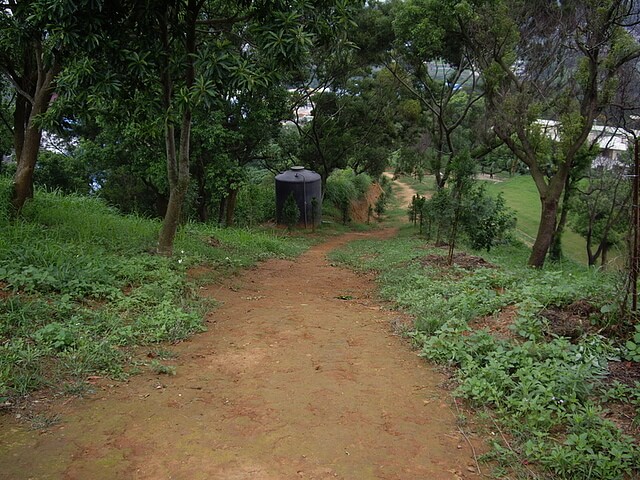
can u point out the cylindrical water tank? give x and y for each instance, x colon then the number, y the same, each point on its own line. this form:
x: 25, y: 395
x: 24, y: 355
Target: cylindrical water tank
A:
x: 305, y: 185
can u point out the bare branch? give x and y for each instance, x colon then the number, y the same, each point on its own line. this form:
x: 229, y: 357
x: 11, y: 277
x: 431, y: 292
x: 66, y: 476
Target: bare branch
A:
x: 13, y: 78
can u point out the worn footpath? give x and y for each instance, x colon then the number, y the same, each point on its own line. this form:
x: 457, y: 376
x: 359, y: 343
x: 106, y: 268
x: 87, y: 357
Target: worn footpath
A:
x: 299, y: 376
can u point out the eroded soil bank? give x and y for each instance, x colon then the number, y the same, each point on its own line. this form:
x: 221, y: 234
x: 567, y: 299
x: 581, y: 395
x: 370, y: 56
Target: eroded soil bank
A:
x: 298, y: 376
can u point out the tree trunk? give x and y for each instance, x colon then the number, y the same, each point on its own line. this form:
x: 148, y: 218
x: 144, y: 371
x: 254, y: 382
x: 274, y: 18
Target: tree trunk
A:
x: 222, y: 207
x: 20, y: 116
x: 202, y: 202
x: 231, y: 206
x: 591, y: 257
x: 171, y: 221
x: 545, y: 232
x: 23, y: 178
x: 178, y: 185
x: 203, y: 207
x: 27, y: 135
x: 177, y: 164
x: 555, y: 249
x: 604, y: 257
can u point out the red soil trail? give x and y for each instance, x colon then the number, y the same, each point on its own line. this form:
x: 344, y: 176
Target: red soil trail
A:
x: 299, y: 376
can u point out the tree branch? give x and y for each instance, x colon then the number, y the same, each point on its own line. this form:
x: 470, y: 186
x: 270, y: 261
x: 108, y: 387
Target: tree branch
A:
x: 16, y: 85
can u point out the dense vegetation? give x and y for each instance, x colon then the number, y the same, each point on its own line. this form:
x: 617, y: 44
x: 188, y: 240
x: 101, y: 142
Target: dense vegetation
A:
x: 217, y: 88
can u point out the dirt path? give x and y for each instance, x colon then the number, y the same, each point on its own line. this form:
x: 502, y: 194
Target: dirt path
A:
x: 289, y: 382
x: 403, y: 192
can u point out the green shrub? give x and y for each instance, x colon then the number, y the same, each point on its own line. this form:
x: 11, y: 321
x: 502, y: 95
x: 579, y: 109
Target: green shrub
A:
x: 484, y: 220
x: 344, y: 187
x: 67, y: 173
x: 290, y: 212
x: 256, y: 203
x: 362, y: 182
x: 633, y: 346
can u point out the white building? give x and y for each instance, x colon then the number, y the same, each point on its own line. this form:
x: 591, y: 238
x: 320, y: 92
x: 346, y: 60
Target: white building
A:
x: 613, y: 142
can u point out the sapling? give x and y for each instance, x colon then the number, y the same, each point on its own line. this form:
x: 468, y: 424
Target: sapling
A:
x: 290, y: 212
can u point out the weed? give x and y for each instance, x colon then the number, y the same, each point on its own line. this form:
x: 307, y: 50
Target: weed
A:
x: 633, y: 346
x: 43, y: 421
x: 161, y: 369
x: 162, y: 353
x: 77, y: 388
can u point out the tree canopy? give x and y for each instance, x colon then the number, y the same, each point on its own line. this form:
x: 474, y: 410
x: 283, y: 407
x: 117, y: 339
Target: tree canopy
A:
x: 207, y: 85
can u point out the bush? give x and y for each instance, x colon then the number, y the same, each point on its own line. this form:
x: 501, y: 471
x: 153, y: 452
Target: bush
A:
x: 256, y: 203
x: 484, y: 220
x: 290, y: 212
x: 362, y: 182
x: 488, y: 220
x: 343, y: 188
x: 56, y: 171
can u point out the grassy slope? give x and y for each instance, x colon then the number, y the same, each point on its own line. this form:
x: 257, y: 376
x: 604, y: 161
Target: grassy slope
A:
x: 521, y: 195
x: 80, y: 285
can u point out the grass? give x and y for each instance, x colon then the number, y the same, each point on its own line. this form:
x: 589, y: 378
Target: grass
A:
x: 521, y: 195
x: 80, y: 287
x: 544, y: 390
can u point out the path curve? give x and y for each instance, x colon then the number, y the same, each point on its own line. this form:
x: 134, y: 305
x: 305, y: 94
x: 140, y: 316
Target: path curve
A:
x: 299, y: 376
x: 404, y: 193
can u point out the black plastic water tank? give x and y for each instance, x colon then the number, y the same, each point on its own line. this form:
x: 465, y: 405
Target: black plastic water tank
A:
x: 305, y: 186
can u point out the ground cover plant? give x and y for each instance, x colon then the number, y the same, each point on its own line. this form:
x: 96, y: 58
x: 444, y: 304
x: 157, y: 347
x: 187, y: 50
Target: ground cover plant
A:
x: 81, y: 286
x: 497, y: 324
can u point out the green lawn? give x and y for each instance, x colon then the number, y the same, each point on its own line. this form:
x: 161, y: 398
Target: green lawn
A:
x: 521, y: 195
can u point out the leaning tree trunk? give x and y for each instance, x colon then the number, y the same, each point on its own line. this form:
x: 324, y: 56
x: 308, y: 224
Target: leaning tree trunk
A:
x: 27, y: 138
x: 549, y: 199
x: 545, y: 232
